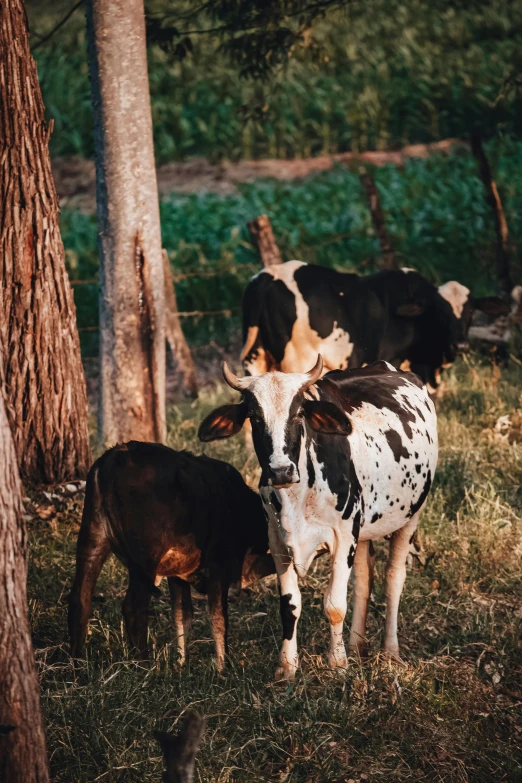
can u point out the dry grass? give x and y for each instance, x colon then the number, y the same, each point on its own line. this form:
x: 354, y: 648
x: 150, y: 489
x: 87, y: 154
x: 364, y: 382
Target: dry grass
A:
x: 452, y: 714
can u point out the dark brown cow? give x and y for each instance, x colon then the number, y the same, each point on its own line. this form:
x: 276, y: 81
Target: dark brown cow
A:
x: 167, y: 514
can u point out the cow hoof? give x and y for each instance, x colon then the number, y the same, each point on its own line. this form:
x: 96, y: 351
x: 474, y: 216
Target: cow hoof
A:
x: 337, y: 662
x: 285, y: 673
x: 392, y: 656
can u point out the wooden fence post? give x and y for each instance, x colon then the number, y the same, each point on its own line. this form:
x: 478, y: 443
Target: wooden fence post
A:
x: 493, y: 199
x: 262, y: 236
x: 174, y: 333
x: 379, y: 225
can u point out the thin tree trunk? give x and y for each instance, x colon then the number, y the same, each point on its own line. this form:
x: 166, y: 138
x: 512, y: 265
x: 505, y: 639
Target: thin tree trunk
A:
x: 263, y: 238
x: 379, y: 224
x: 132, y: 318
x: 45, y: 386
x: 23, y: 758
x: 175, y: 337
x: 493, y: 199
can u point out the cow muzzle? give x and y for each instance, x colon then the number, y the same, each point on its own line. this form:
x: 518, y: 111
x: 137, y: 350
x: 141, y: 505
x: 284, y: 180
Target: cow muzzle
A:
x: 283, y: 477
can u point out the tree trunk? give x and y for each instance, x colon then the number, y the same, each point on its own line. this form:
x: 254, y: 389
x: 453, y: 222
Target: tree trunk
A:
x: 493, y: 199
x: 379, y: 224
x: 45, y: 386
x: 23, y: 758
x: 263, y: 238
x: 175, y: 337
x: 132, y: 318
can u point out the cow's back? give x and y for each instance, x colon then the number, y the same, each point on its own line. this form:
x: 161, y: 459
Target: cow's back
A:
x: 393, y: 444
x: 157, y: 500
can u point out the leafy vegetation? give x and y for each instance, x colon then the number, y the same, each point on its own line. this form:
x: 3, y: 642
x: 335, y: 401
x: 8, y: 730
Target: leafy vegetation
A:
x: 435, y: 210
x: 451, y: 714
x: 371, y: 75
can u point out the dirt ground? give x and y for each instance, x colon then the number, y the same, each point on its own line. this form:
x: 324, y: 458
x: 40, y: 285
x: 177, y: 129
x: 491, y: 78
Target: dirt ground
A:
x: 75, y: 178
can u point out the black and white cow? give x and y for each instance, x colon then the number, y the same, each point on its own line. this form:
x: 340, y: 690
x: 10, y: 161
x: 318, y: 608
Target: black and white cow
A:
x: 293, y: 311
x: 345, y: 460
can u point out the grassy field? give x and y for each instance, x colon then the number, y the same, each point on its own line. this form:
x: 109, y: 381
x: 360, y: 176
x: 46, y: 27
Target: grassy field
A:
x: 453, y: 713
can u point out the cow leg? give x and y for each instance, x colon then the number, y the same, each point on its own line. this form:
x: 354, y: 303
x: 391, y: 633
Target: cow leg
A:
x: 363, y: 566
x: 218, y: 608
x: 182, y: 613
x: 335, y: 606
x: 290, y: 606
x: 135, y: 609
x: 395, y: 577
x: 92, y: 551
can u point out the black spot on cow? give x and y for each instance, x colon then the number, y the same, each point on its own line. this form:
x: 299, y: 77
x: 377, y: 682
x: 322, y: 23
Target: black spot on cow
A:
x: 375, y: 517
x: 351, y: 556
x: 288, y: 617
x: 422, y: 497
x: 356, y: 525
x: 310, y: 469
x: 418, y: 468
x: 396, y: 445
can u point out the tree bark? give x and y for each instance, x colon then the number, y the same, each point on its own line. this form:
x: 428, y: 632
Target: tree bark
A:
x: 263, y: 238
x: 175, y: 337
x: 132, y: 318
x: 23, y: 757
x: 45, y: 386
x: 379, y: 224
x: 493, y: 199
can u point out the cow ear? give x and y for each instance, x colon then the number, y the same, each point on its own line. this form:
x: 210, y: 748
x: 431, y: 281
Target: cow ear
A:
x: 491, y: 305
x: 409, y: 310
x: 326, y: 417
x: 223, y: 422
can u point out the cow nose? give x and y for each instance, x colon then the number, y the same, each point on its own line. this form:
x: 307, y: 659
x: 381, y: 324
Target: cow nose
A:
x: 283, y: 477
x: 463, y: 347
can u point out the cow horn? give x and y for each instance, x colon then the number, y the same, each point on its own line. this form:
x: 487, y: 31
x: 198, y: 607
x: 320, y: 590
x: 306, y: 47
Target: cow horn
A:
x: 233, y: 381
x: 315, y: 372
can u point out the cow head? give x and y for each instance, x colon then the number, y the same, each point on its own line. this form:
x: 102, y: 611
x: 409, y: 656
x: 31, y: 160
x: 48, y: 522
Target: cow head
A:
x: 279, y: 411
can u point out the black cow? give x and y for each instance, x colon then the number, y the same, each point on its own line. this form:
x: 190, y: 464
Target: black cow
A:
x: 292, y: 312
x: 167, y: 514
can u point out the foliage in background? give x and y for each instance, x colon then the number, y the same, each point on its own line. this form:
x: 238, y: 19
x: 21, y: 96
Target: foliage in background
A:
x: 375, y: 75
x: 435, y: 210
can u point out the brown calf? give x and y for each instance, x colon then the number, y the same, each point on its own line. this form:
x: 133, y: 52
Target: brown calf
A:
x: 167, y: 514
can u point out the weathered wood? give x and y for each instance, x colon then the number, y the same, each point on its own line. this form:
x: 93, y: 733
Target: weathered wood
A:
x: 175, y: 337
x: 132, y: 314
x: 263, y: 238
x: 379, y: 224
x: 45, y: 390
x: 495, y: 202
x: 23, y: 757
x: 180, y: 751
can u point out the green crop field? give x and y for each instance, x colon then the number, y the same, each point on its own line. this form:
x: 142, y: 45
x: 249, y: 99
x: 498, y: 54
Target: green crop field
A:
x: 436, y: 214
x: 451, y: 714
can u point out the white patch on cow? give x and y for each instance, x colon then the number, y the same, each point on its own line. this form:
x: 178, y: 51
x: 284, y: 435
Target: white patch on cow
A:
x: 456, y: 294
x: 274, y: 392
x: 336, y: 349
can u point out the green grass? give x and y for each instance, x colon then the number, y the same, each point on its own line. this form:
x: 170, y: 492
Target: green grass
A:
x: 445, y: 717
